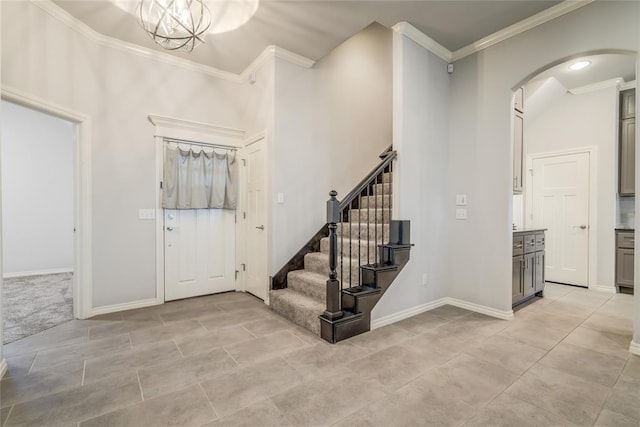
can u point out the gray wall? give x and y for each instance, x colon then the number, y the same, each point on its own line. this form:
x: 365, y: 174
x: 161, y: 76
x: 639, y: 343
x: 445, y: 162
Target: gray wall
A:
x: 421, y: 114
x: 480, y: 137
x: 37, y: 196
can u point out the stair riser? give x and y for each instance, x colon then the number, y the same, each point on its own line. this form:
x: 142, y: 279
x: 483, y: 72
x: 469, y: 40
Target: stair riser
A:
x: 358, y: 249
x: 320, y: 267
x: 365, y: 231
x: 375, y: 202
x: 386, y: 177
x: 307, y: 287
x: 297, y: 315
x: 380, y: 216
x: 380, y: 189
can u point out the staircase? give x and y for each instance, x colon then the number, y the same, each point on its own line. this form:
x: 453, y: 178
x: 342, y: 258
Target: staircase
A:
x: 335, y: 299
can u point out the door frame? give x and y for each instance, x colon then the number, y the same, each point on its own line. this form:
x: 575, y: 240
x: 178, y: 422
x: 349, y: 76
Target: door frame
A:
x: 261, y: 136
x: 203, y: 133
x: 592, y: 151
x: 82, y: 286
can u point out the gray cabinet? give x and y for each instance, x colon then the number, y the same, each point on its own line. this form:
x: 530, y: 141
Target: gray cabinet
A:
x: 625, y: 242
x: 627, y: 104
x: 627, y: 145
x: 528, y: 265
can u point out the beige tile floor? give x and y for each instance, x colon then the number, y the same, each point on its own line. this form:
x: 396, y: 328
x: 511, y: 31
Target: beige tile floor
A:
x: 228, y: 360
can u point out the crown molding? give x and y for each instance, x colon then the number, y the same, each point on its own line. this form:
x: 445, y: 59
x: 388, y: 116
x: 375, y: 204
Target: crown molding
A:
x: 83, y: 29
x: 596, y: 86
x: 423, y: 40
x: 171, y: 127
x: 627, y: 85
x: 520, y: 27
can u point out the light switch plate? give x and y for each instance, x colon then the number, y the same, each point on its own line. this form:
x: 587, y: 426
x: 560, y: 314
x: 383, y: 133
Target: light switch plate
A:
x: 461, y: 213
x: 147, y: 214
x: 280, y: 198
x: 461, y: 200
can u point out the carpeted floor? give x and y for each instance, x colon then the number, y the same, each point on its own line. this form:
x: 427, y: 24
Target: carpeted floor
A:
x: 35, y: 303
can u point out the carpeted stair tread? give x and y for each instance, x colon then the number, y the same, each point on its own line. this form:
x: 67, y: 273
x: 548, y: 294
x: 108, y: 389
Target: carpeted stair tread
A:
x: 353, y: 248
x: 370, y: 215
x: 297, y: 307
x: 309, y: 283
x: 318, y: 262
x: 365, y: 230
x: 375, y: 202
x: 380, y: 189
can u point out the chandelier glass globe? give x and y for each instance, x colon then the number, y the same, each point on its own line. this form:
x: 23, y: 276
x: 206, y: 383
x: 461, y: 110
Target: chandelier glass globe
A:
x: 175, y: 24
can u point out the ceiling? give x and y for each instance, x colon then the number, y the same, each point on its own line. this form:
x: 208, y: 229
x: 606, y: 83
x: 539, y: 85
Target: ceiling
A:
x: 312, y: 28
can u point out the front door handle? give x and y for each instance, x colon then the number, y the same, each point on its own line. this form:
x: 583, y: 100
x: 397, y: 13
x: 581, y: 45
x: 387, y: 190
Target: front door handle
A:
x: 169, y: 228
x: 581, y: 227
x: 260, y: 227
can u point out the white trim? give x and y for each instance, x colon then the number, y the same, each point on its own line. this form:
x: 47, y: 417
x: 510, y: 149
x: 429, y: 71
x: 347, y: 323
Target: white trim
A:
x: 405, y: 314
x: 597, y: 86
x: 37, y: 272
x: 520, y: 27
x: 124, y: 306
x: 83, y: 29
x: 423, y: 40
x: 634, y: 348
x: 83, y: 245
x: 171, y: 127
x: 593, y: 197
x: 3, y: 367
x: 605, y: 289
x: 499, y: 314
x: 627, y: 85
x: 413, y: 311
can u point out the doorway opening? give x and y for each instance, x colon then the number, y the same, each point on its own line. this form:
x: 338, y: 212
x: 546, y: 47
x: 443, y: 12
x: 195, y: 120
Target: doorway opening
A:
x: 37, y: 221
x: 567, y: 170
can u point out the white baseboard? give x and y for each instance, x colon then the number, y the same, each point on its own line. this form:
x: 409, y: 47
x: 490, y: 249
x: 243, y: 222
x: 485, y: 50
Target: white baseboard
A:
x: 96, y: 311
x: 37, y: 272
x: 405, y: 314
x: 499, y: 314
x: 410, y: 312
x: 634, y: 348
x: 3, y: 367
x: 605, y: 289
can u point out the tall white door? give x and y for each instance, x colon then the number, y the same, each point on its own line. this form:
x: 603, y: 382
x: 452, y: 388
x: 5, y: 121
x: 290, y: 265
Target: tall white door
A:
x: 560, y: 203
x: 199, y: 252
x: 257, y: 277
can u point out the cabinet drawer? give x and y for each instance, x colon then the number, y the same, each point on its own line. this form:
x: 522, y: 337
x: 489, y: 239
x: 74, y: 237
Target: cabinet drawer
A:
x: 529, y: 243
x: 625, y: 239
x: 540, y: 242
x: 518, y: 245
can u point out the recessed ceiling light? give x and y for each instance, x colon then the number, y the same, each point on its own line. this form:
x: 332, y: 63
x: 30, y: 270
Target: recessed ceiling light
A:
x: 579, y: 65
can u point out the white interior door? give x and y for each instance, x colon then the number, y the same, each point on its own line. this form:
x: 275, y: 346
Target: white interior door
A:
x: 560, y: 203
x: 199, y: 251
x: 257, y: 277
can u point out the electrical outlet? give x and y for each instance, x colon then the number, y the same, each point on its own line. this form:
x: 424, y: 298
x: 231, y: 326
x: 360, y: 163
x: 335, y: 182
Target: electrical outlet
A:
x: 424, y: 279
x: 461, y: 213
x: 280, y: 198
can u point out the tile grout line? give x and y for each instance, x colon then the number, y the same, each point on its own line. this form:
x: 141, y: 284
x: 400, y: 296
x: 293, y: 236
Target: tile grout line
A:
x: 178, y: 347
x: 8, y: 415
x: 217, y: 416
x: 84, y: 369
x: 33, y: 362
x: 245, y: 328
x: 140, y: 385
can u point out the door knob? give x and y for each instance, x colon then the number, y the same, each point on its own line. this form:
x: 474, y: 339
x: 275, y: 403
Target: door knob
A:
x: 582, y: 227
x: 169, y: 228
x: 260, y: 227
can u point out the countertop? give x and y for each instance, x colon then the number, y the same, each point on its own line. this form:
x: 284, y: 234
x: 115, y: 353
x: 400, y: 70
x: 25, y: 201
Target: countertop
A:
x: 528, y: 230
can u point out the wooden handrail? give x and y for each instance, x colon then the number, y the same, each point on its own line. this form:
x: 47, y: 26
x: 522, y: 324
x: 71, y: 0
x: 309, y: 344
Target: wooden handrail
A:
x: 366, y: 181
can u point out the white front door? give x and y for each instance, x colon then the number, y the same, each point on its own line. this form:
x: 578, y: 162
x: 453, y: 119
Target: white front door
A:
x: 560, y: 203
x: 199, y: 251
x: 257, y: 277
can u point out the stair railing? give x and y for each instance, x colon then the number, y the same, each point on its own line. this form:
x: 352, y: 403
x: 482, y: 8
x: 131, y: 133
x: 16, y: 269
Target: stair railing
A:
x: 341, y: 215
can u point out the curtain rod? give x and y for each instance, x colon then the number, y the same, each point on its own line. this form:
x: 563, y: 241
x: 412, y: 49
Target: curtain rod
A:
x: 201, y: 144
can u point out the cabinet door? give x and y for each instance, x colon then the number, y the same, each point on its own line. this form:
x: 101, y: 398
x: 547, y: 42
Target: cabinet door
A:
x: 624, y: 267
x: 516, y: 280
x: 518, y: 123
x: 539, y: 272
x: 529, y: 273
x: 627, y: 168
x: 628, y: 104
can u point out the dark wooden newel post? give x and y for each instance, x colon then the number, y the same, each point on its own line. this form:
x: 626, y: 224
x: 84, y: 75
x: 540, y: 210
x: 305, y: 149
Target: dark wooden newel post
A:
x: 333, y: 310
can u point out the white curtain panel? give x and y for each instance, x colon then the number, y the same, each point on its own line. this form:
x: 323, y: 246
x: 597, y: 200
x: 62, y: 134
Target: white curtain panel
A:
x: 195, y: 179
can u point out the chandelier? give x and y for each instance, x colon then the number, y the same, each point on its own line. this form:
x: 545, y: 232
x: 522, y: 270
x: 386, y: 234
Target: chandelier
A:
x: 175, y: 24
